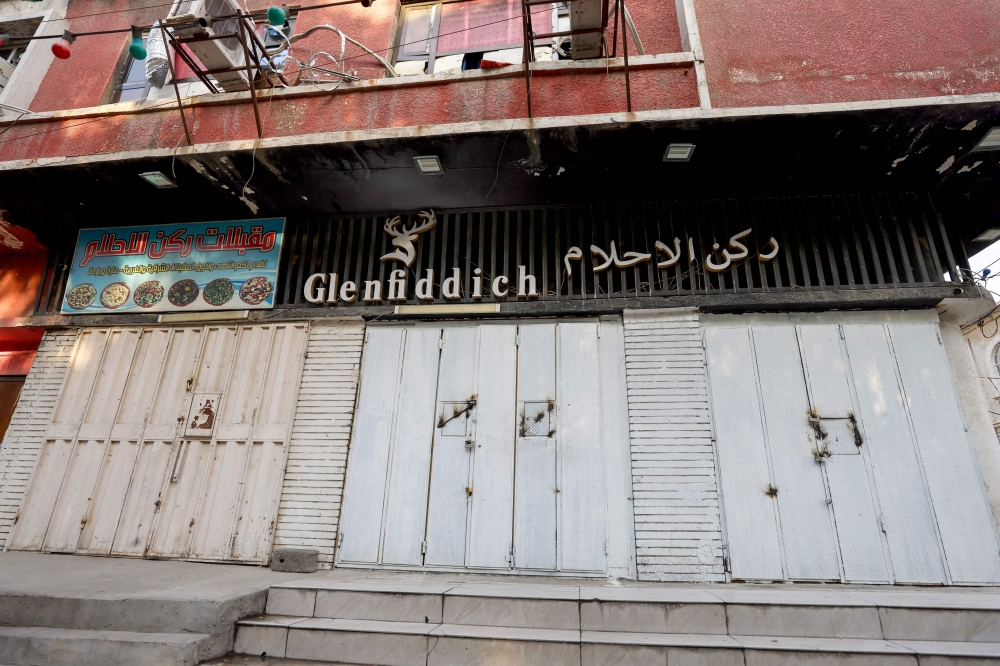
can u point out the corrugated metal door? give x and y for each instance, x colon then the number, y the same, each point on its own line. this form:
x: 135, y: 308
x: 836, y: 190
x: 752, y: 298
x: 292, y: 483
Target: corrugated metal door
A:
x: 134, y: 479
x: 478, y: 448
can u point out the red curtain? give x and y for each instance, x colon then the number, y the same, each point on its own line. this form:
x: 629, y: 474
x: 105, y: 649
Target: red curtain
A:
x: 486, y: 25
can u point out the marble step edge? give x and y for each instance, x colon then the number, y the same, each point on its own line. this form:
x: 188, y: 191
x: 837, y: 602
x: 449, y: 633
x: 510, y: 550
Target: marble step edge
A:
x: 832, y: 598
x: 178, y: 639
x: 711, y: 641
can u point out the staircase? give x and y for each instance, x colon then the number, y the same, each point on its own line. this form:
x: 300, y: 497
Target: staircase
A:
x: 65, y: 609
x: 399, y: 622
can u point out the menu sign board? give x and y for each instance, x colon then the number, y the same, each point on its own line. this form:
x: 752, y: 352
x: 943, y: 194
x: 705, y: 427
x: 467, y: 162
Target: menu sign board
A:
x: 175, y: 267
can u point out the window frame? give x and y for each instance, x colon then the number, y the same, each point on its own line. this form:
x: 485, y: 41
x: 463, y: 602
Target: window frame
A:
x: 432, y: 53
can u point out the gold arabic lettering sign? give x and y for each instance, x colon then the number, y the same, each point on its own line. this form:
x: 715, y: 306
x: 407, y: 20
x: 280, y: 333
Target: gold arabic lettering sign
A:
x: 328, y: 288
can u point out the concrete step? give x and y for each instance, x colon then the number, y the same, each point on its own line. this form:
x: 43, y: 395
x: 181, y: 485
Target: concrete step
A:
x: 41, y: 646
x: 844, y: 613
x: 417, y: 644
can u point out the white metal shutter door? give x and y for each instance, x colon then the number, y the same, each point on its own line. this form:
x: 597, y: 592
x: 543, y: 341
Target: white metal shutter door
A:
x: 581, y: 482
x: 806, y: 526
x: 492, y: 501
x: 448, y: 502
x: 166, y: 413
x: 858, y: 534
x: 963, y: 515
x: 261, y: 486
x: 902, y: 496
x: 69, y: 515
x: 108, y: 502
x: 364, y: 489
x: 751, y: 526
x: 410, y: 453
x: 537, y: 433
x: 46, y: 480
x: 177, y: 516
x: 619, y: 521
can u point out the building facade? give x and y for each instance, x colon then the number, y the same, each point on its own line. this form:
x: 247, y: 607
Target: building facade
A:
x: 680, y: 299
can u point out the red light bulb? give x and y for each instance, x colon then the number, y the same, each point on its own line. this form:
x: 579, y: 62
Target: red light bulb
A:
x: 61, y: 48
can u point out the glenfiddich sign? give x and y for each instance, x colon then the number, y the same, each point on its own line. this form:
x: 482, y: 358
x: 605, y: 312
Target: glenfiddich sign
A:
x: 327, y: 288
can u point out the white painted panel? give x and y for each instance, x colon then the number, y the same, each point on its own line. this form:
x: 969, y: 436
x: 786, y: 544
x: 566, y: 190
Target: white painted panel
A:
x: 751, y: 526
x: 537, y: 433
x: 258, y: 504
x: 217, y: 513
x: 581, y: 483
x: 447, y: 513
x: 144, y: 503
x: 33, y: 519
x: 806, y: 527
x: 902, y: 496
x: 827, y: 371
x: 177, y: 508
x: 490, y: 538
x: 369, y: 456
x: 47, y: 480
x: 258, y: 495
x: 71, y: 511
x: 410, y: 457
x: 859, y: 536
x: 619, y: 521
x: 963, y: 515
x: 109, y: 497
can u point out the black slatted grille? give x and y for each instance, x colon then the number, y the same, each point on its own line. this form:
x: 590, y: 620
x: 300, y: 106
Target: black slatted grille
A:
x: 824, y: 242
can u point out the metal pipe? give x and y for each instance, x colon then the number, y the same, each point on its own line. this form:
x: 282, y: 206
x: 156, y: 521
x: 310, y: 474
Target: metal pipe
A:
x: 177, y: 92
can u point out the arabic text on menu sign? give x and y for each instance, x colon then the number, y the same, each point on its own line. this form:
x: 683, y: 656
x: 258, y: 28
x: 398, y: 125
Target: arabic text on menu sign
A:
x: 175, y: 267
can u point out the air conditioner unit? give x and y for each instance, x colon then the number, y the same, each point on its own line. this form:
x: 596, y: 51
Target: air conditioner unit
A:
x: 198, y: 17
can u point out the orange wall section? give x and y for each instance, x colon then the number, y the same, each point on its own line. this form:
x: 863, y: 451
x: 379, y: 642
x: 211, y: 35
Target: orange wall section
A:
x: 20, y: 276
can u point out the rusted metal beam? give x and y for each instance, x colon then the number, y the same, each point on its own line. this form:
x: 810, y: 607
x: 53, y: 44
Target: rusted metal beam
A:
x: 177, y: 92
x: 253, y: 89
x: 628, y: 86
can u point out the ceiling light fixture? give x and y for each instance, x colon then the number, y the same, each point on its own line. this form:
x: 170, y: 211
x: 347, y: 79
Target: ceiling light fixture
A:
x: 679, y: 152
x: 429, y: 165
x: 991, y: 141
x: 158, y: 180
x: 986, y: 236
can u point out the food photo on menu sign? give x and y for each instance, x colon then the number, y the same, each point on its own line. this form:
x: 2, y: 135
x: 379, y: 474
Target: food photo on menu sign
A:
x: 175, y: 267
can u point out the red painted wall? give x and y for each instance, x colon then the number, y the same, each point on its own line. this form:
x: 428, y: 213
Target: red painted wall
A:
x: 767, y: 52
x: 20, y: 276
x: 444, y: 102
x: 82, y: 80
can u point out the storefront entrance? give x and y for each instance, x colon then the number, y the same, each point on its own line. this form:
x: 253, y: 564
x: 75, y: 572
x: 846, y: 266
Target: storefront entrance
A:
x: 842, y: 451
x: 490, y: 446
x: 167, y: 442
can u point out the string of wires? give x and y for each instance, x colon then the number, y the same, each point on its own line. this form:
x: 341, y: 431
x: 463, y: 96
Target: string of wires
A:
x: 258, y: 14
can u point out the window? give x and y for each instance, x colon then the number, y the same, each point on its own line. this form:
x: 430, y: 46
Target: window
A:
x: 134, y: 84
x: 10, y: 56
x: 996, y: 360
x: 473, y: 34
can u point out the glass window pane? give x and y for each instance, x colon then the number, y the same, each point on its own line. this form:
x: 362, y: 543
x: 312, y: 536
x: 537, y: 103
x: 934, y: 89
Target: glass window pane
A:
x: 136, y: 71
x: 132, y: 94
x: 415, y: 37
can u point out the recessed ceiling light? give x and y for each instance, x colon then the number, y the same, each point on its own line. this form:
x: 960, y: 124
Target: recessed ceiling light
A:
x: 157, y: 179
x: 991, y: 141
x: 679, y: 152
x: 988, y: 235
x: 429, y: 165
